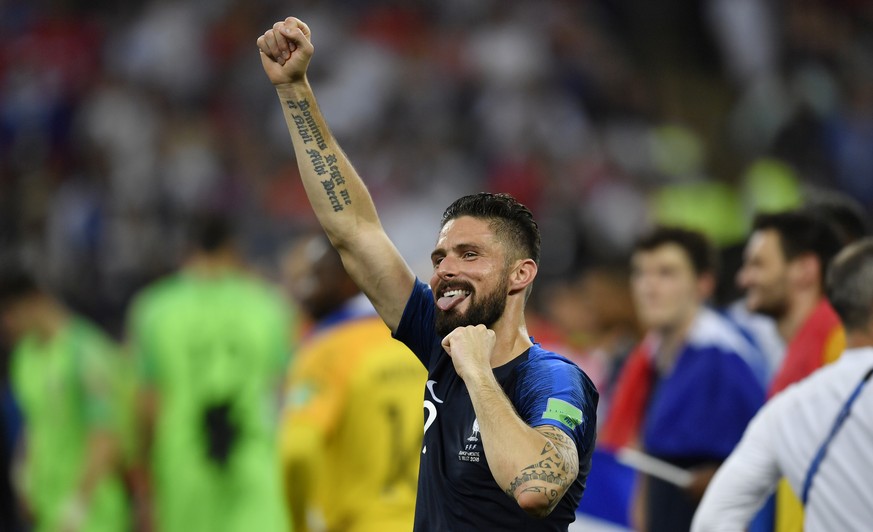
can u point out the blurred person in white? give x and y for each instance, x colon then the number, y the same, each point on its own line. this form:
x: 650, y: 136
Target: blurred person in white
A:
x: 816, y: 433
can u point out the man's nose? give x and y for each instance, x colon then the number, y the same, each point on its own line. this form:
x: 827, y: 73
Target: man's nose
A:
x: 447, y: 268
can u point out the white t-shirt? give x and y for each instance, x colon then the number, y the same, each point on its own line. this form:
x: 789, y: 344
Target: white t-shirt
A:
x: 782, y: 440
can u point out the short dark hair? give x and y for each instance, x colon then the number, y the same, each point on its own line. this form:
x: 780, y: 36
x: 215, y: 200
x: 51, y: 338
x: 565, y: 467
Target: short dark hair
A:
x: 15, y: 284
x: 511, y: 221
x: 800, y: 233
x: 698, y: 248
x: 845, y: 214
x: 210, y: 231
x: 850, y: 284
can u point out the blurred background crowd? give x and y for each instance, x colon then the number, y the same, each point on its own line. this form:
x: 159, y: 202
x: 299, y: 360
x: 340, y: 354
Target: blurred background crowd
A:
x: 121, y: 123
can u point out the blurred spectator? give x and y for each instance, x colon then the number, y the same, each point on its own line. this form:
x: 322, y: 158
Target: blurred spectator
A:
x: 211, y: 342
x: 351, y: 427
x: 783, y: 275
x: 687, y: 392
x: 816, y: 433
x: 68, y: 377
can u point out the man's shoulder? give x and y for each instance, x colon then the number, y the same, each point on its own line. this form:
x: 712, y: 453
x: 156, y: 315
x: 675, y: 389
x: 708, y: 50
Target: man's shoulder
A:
x: 542, y: 359
x: 712, y: 329
x: 833, y: 379
x: 544, y: 366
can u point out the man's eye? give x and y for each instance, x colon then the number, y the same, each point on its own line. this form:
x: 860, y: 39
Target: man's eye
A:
x: 469, y: 255
x: 437, y: 261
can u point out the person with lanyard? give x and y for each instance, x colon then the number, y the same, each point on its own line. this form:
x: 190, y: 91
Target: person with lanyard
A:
x: 783, y: 276
x: 509, y: 427
x: 816, y: 433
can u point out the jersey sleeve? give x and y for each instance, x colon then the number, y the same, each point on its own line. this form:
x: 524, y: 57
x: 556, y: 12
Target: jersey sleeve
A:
x: 281, y: 340
x: 99, y: 367
x: 417, y: 329
x: 552, y: 391
x: 139, y: 339
x: 315, y: 398
x: 743, y: 483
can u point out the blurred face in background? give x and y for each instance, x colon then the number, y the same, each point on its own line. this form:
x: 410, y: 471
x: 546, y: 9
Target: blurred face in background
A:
x: 313, y: 280
x: 667, y: 292
x: 765, y: 274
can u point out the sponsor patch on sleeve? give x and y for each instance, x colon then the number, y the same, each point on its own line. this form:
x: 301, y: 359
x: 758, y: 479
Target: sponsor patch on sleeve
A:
x: 563, y: 412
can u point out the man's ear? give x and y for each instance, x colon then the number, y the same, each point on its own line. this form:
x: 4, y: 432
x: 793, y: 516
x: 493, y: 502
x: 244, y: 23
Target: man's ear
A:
x: 522, y: 275
x: 706, y: 285
x: 805, y: 270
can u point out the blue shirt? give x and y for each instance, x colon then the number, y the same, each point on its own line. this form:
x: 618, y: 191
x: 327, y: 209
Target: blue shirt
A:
x: 456, y: 490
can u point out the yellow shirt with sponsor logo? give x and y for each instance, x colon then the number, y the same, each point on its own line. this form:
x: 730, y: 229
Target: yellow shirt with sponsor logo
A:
x: 353, y: 413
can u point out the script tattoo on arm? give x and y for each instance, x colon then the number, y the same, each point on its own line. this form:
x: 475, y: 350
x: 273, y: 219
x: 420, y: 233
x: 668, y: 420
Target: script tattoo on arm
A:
x: 557, y: 468
x: 323, y: 162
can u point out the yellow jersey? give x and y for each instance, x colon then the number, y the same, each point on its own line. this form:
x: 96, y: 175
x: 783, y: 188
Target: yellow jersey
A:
x: 352, y: 427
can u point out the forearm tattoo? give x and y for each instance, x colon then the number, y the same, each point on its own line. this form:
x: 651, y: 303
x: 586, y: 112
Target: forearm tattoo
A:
x: 558, y: 466
x: 323, y: 162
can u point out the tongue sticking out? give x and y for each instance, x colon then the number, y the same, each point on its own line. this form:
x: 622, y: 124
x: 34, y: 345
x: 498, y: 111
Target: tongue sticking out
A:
x: 449, y: 302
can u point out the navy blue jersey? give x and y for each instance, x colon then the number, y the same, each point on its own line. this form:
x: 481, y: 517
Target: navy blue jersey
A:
x: 456, y: 490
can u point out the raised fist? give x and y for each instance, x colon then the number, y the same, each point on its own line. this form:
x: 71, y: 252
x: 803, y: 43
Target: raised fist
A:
x: 285, y: 51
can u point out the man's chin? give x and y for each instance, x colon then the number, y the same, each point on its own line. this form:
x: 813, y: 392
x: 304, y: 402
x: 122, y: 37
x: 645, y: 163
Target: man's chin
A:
x: 771, y: 311
x: 449, y: 320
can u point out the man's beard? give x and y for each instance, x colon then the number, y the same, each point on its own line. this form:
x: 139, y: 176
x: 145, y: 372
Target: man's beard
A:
x: 771, y: 305
x: 485, y: 312
x: 771, y: 309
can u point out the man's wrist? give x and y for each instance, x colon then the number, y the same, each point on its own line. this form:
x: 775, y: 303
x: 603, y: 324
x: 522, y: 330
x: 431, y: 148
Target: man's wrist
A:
x: 292, y: 89
x: 478, y: 377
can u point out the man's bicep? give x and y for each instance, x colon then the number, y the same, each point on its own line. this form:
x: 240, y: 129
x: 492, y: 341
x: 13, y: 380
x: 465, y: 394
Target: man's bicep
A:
x: 562, y: 452
x: 379, y: 270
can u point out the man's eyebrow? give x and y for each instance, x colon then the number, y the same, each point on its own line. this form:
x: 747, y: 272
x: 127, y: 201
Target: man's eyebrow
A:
x: 464, y: 246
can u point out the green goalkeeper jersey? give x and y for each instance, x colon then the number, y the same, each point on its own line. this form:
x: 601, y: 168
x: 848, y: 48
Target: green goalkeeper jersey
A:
x: 68, y: 386
x: 213, y: 349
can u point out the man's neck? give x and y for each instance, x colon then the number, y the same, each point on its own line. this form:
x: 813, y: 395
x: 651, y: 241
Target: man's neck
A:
x: 49, y: 320
x: 671, y: 341
x: 802, y: 305
x: 857, y: 339
x: 512, y: 338
x: 212, y: 264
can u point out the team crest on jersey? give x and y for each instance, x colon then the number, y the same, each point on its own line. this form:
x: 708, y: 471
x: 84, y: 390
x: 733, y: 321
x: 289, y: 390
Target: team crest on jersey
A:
x: 470, y: 452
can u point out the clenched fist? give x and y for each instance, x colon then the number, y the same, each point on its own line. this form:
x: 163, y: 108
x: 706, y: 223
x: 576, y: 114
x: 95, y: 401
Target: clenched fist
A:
x: 471, y: 348
x: 285, y: 51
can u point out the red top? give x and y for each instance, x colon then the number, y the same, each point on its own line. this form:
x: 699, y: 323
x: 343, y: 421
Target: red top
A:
x: 819, y: 341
